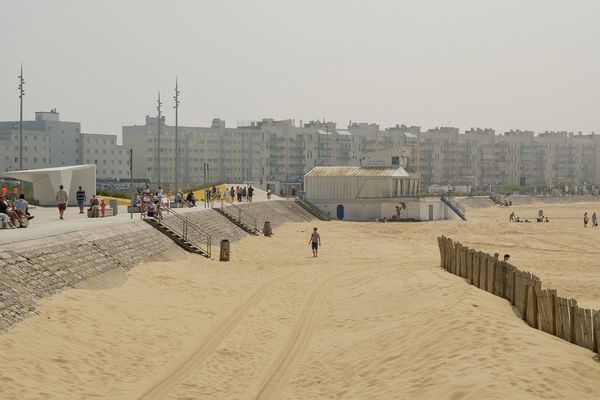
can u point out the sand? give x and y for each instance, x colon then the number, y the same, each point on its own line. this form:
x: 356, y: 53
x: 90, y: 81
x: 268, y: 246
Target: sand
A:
x: 373, y: 317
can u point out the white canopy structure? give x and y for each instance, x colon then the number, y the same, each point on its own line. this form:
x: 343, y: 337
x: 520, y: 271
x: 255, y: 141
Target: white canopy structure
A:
x: 46, y: 181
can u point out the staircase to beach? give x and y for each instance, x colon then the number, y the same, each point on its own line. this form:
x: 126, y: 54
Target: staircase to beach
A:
x: 454, y: 208
x: 185, y: 233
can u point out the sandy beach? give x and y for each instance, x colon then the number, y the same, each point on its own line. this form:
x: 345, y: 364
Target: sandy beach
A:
x: 373, y: 317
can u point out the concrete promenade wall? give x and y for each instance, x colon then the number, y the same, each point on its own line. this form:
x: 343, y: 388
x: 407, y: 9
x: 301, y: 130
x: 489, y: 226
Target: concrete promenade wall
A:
x: 33, y: 269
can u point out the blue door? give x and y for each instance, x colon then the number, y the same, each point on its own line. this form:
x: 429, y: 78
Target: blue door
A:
x: 340, y: 211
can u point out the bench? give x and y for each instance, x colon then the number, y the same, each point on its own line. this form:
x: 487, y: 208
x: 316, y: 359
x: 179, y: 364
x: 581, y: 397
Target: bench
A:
x: 109, y: 213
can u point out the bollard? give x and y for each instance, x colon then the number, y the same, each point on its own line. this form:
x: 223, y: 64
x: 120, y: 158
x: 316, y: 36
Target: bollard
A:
x: 115, y: 206
x: 224, y: 256
x: 267, y: 230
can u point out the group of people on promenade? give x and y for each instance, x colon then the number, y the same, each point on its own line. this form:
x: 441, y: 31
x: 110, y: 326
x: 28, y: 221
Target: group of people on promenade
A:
x: 97, y: 206
x: 150, y: 203
x: 14, y: 213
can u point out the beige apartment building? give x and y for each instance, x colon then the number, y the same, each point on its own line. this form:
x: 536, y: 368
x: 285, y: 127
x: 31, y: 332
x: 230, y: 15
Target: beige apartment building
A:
x: 283, y: 151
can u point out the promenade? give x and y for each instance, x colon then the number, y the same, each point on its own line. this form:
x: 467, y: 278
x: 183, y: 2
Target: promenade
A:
x: 46, y: 222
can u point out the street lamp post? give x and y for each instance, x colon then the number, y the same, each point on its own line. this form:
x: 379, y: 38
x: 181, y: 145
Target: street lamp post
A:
x: 176, y: 97
x: 21, y: 94
x: 158, y: 102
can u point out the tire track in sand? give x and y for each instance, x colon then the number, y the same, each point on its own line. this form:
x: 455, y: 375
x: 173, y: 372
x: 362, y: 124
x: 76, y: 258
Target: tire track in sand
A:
x: 297, y: 342
x: 209, y: 343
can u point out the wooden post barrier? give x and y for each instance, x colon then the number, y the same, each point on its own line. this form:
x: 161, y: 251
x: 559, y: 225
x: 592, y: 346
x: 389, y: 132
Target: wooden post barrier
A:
x: 596, y: 318
x: 461, y: 260
x: 499, y: 278
x: 541, y: 309
x: 510, y: 284
x: 491, y: 270
x: 572, y: 329
x: 470, y: 265
x: 582, y: 327
x: 545, y: 300
x: 440, y: 241
x: 465, y: 256
x: 483, y: 270
x: 532, y: 307
x: 475, y: 267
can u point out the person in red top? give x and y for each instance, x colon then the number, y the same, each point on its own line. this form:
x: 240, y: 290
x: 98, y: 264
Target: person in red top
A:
x: 4, y: 191
x: 102, y: 207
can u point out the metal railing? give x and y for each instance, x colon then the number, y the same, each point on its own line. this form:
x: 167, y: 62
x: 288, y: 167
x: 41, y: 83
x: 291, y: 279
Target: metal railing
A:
x: 241, y: 216
x: 187, y: 230
x: 313, y: 209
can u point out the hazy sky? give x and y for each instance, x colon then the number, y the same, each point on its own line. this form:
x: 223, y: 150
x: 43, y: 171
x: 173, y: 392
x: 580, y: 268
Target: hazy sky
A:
x: 527, y: 64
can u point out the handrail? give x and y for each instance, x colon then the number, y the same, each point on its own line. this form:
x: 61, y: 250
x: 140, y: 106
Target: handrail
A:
x: 188, y: 230
x: 243, y: 217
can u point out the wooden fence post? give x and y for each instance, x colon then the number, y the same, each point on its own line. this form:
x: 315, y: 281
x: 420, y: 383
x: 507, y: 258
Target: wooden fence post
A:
x: 475, y: 268
x: 553, y: 310
x: 482, y: 270
x: 596, y: 321
x: 490, y: 273
x: 470, y: 265
x: 572, y: 310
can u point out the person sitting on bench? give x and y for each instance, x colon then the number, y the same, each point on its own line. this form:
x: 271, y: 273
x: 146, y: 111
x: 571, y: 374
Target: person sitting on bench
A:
x: 94, y: 203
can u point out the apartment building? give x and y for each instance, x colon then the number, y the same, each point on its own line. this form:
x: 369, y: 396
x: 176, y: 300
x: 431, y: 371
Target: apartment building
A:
x: 283, y: 151
x: 47, y: 142
x: 205, y: 154
x: 111, y: 159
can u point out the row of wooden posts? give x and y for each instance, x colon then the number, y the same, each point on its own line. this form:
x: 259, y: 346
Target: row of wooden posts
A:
x: 541, y: 308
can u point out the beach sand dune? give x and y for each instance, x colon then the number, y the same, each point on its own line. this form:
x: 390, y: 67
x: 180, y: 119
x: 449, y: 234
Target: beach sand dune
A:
x: 373, y: 317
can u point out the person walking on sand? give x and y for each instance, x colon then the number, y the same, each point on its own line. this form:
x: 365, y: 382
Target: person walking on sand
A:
x: 315, y: 241
x: 585, y: 220
x: 61, y: 200
x: 594, y: 220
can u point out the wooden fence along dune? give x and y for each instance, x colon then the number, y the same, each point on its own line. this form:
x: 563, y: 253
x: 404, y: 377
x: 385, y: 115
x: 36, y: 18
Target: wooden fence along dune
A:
x: 541, y: 308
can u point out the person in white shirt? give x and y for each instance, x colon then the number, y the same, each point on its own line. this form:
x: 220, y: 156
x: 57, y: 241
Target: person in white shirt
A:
x: 23, y: 206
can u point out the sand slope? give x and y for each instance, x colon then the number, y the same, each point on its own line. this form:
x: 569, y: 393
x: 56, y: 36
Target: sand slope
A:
x: 373, y: 317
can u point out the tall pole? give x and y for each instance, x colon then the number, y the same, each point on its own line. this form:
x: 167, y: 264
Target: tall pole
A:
x: 131, y: 180
x: 176, y: 138
x: 21, y: 94
x: 158, y: 139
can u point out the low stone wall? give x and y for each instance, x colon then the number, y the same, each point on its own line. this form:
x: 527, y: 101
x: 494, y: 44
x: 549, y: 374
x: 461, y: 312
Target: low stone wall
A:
x: 33, y: 269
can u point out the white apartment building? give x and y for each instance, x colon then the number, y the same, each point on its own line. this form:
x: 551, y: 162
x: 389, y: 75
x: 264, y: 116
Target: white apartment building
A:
x: 47, y: 142
x: 226, y: 154
x: 111, y: 159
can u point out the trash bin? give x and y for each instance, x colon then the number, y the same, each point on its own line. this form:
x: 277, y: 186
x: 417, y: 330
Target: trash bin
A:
x: 267, y: 230
x: 115, y: 206
x: 224, y: 256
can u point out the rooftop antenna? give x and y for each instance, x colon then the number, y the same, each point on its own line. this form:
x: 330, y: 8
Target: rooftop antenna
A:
x: 21, y: 94
x: 176, y: 107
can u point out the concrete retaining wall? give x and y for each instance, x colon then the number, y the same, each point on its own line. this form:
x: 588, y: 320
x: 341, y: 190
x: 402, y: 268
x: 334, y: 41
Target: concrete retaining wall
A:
x: 33, y: 269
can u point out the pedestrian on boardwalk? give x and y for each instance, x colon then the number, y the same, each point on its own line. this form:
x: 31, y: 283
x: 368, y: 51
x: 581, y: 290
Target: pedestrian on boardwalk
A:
x: 232, y: 194
x: 594, y: 220
x: 102, y: 207
x: 244, y: 193
x: 585, y: 220
x: 250, y: 193
x: 238, y: 192
x: 61, y: 201
x: 80, y: 196
x: 315, y: 241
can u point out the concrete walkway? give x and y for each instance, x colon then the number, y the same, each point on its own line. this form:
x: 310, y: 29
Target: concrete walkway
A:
x: 46, y: 222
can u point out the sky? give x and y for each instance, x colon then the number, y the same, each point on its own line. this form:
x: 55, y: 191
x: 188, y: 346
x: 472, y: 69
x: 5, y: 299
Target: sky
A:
x: 509, y: 64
